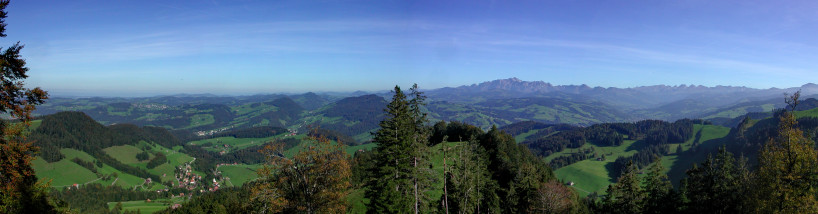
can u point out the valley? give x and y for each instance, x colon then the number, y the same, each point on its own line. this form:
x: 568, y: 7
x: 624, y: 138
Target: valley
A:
x: 583, y: 139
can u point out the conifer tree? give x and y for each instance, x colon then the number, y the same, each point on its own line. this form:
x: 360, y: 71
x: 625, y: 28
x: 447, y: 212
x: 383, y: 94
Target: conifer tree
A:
x: 658, y: 189
x: 401, y: 177
x: 787, y: 168
x: 626, y: 195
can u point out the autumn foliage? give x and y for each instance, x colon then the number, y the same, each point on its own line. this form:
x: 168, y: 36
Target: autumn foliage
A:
x: 314, y: 180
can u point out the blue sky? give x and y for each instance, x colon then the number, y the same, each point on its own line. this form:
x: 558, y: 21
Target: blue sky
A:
x: 135, y: 48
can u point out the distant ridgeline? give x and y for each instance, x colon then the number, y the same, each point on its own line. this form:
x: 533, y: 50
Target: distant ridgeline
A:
x: 556, y: 138
x: 755, y: 112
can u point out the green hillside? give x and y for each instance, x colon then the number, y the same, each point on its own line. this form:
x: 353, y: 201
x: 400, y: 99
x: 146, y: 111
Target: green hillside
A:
x: 65, y: 172
x: 240, y: 174
x: 125, y: 154
x: 591, y: 175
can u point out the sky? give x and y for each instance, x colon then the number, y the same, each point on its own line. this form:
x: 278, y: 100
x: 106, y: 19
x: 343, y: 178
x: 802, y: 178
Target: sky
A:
x: 241, y: 47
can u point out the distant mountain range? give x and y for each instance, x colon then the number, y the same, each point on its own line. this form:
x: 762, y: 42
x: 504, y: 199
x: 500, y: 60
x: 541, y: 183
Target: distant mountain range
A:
x: 642, y: 97
x: 498, y: 102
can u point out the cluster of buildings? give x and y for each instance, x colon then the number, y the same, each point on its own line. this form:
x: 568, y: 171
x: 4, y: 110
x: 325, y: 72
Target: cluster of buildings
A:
x: 203, y: 133
x: 185, y: 178
x: 149, y: 105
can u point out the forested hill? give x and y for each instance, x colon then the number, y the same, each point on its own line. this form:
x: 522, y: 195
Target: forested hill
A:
x: 75, y: 130
x: 351, y: 116
x: 310, y: 101
x: 120, y: 146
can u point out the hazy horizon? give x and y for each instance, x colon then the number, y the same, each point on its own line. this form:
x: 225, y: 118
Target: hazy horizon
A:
x: 136, y: 95
x: 145, y: 48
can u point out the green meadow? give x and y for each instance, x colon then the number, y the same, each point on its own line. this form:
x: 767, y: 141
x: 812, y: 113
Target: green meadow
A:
x: 595, y: 176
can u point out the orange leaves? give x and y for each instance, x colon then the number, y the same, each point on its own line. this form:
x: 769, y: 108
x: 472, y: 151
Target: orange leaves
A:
x: 314, y: 180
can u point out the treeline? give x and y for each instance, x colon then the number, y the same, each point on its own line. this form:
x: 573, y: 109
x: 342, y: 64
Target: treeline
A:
x: 206, y: 161
x: 252, y: 132
x: 225, y: 200
x: 158, y: 159
x: 518, y: 128
x: 654, y: 132
x: 94, y: 198
x: 86, y: 164
x: 579, y: 155
x: 642, y: 158
x: 454, y: 131
x: 551, y: 130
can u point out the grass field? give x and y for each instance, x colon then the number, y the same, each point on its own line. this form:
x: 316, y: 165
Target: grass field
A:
x: 63, y: 172
x: 35, y: 124
x: 200, y: 120
x: 521, y: 137
x: 807, y: 113
x: 235, y: 143
x: 240, y: 174
x: 72, y: 153
x: 592, y: 175
x: 142, y: 206
x: 352, y: 149
x: 125, y: 154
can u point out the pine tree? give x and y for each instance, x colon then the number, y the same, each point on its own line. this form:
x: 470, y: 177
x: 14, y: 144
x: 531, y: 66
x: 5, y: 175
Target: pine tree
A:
x: 787, y: 169
x: 626, y: 195
x: 658, y: 189
x: 401, y: 178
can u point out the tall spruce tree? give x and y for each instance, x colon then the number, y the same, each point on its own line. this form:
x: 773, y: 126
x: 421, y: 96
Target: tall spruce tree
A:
x: 626, y: 195
x: 401, y: 177
x: 658, y: 189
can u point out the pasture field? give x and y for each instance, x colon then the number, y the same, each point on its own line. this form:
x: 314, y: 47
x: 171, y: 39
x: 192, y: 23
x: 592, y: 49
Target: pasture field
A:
x: 142, y: 206
x: 72, y: 153
x: 807, y: 113
x: 240, y: 174
x: 124, y: 180
x: 521, y: 137
x: 352, y: 149
x: 236, y: 143
x: 125, y: 154
x: 62, y: 173
x: 592, y: 175
x: 35, y: 124
x: 200, y: 120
